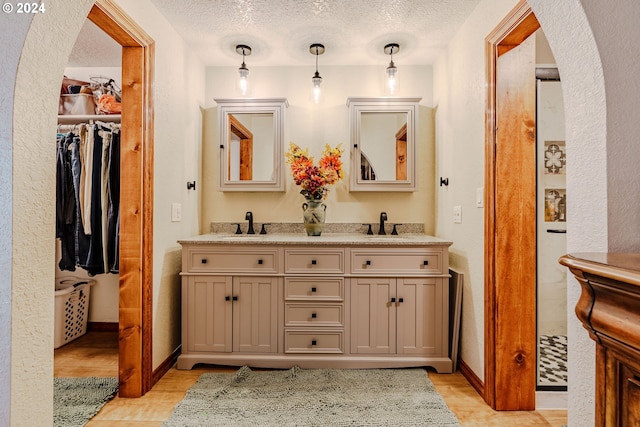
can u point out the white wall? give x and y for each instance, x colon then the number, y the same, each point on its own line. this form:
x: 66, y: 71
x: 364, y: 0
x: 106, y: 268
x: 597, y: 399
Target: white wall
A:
x: 460, y: 99
x: 312, y: 126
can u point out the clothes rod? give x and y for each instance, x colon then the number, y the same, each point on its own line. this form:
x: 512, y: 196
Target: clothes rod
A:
x: 70, y: 120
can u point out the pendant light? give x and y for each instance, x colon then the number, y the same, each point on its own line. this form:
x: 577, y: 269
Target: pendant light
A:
x: 316, y: 49
x: 391, y: 85
x: 243, y: 71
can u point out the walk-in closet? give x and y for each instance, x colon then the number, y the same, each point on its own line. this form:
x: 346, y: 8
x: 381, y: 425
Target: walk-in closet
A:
x: 87, y: 146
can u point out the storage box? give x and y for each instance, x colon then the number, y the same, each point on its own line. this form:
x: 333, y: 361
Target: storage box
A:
x: 71, y: 309
x: 77, y: 104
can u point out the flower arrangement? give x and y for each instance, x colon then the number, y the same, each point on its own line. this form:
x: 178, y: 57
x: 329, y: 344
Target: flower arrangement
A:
x: 311, y: 178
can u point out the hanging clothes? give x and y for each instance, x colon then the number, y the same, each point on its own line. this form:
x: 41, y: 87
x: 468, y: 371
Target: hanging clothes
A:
x: 88, y: 198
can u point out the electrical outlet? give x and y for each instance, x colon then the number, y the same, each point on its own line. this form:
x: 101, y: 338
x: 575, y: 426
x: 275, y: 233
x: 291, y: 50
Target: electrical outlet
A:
x: 480, y: 197
x: 457, y: 214
x: 176, y: 212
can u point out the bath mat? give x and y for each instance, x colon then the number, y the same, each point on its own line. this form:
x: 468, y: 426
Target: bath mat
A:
x: 76, y: 400
x: 313, y: 397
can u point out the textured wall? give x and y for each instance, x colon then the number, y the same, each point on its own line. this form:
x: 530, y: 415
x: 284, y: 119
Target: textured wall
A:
x: 13, y: 30
x: 37, y: 86
x: 565, y: 23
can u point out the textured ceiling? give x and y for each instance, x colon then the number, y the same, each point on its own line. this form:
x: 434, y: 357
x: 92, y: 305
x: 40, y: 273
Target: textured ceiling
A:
x: 94, y: 48
x: 279, y: 32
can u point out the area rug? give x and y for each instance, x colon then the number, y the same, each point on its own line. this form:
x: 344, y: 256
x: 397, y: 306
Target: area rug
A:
x: 76, y: 400
x: 313, y: 397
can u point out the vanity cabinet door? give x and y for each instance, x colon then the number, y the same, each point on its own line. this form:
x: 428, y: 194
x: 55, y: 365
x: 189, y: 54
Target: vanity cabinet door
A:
x: 398, y: 316
x: 255, y: 314
x: 420, y: 317
x: 206, y: 315
x: 373, y: 315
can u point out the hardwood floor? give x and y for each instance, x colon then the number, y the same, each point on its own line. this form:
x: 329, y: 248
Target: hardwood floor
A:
x: 96, y: 354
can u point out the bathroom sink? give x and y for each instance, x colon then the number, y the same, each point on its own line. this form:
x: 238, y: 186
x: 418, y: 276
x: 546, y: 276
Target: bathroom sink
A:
x: 387, y: 237
x: 244, y: 237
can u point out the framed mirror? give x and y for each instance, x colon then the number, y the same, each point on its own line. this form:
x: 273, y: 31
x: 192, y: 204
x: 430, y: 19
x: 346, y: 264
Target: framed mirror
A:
x: 383, y: 134
x: 251, y: 143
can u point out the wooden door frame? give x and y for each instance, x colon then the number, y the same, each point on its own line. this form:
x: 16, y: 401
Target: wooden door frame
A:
x: 513, y: 30
x: 136, y: 198
x: 246, y: 148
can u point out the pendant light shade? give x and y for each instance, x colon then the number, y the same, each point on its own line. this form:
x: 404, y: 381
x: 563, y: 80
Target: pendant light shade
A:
x: 391, y: 85
x: 316, y: 49
x: 243, y: 71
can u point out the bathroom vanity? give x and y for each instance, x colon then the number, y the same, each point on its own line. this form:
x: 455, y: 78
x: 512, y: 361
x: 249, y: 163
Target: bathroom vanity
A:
x: 331, y: 301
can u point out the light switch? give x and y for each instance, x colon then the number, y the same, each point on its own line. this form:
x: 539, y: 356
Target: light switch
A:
x: 176, y: 212
x: 480, y: 197
x: 457, y: 214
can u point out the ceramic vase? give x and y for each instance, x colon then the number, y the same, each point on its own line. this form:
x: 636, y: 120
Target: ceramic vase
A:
x: 313, y: 213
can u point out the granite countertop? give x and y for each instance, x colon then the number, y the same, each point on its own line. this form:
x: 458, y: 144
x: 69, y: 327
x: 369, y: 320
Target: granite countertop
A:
x: 354, y: 239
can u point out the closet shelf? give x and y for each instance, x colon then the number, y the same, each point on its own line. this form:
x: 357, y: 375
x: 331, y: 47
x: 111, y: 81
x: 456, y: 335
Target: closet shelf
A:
x: 72, y: 119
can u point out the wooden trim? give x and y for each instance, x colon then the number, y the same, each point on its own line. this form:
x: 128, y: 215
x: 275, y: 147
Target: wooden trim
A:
x: 166, y: 364
x: 136, y: 198
x: 102, y: 327
x: 471, y: 376
x: 246, y: 148
x: 118, y: 25
x: 516, y: 27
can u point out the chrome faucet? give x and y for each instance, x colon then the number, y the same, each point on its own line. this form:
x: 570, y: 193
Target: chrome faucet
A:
x: 249, y: 216
x: 383, y: 218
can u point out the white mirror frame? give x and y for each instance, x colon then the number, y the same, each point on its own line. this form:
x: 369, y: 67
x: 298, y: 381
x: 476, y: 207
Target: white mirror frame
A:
x: 276, y: 106
x: 357, y: 106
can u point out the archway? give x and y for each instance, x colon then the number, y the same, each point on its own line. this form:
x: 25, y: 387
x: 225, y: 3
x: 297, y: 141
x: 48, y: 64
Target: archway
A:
x: 564, y: 23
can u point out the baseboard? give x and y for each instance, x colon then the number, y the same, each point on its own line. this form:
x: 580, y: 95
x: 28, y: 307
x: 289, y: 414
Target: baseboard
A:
x: 556, y: 400
x: 102, y: 326
x: 164, y: 367
x: 471, y: 376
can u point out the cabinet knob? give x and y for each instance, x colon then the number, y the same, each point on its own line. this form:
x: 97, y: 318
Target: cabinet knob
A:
x: 425, y: 262
x: 227, y: 298
x: 204, y: 260
x: 314, y: 262
x: 314, y: 315
x: 393, y: 300
x: 260, y: 261
x: 368, y: 262
x: 314, y: 342
x: 400, y: 299
x: 235, y: 298
x: 314, y: 289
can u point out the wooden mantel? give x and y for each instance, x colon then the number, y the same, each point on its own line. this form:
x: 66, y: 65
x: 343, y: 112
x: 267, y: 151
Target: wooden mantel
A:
x: 609, y: 308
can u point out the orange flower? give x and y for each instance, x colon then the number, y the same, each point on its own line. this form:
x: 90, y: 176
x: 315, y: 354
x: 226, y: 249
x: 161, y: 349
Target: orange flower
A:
x: 314, y: 179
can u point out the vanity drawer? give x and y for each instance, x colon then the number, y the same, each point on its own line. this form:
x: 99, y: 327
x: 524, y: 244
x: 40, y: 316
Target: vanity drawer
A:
x: 314, y: 288
x: 312, y: 260
x: 396, y: 261
x: 313, y: 341
x: 313, y: 314
x: 229, y: 261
